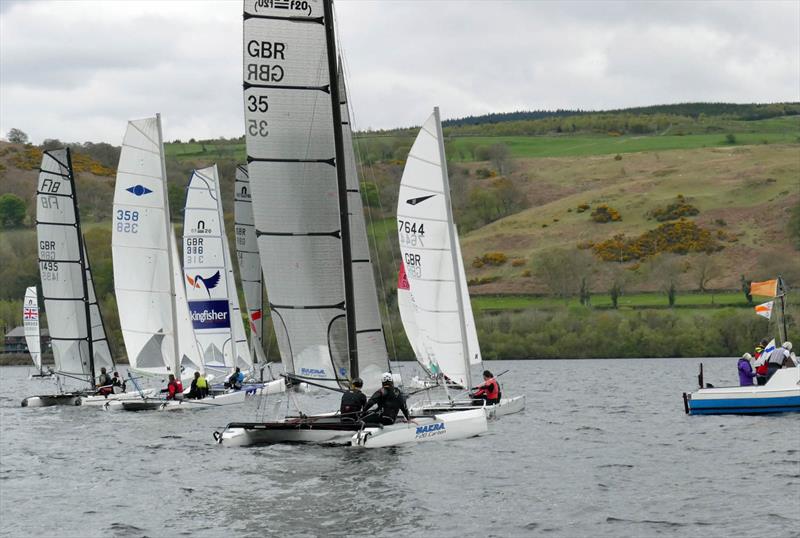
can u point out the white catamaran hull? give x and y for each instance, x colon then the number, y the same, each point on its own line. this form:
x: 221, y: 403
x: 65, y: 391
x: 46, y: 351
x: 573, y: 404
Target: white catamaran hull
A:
x: 160, y: 404
x: 507, y: 406
x: 443, y: 427
x: 99, y: 401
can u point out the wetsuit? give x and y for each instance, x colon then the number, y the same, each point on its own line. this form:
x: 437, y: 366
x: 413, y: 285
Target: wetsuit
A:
x: 489, y: 390
x: 352, y: 403
x: 390, y: 401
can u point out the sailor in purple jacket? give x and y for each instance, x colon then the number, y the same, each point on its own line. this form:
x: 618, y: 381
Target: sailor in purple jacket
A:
x: 746, y: 373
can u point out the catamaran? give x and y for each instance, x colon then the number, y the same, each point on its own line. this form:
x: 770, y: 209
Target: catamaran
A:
x: 781, y: 392
x: 309, y: 220
x: 77, y: 334
x: 435, y: 306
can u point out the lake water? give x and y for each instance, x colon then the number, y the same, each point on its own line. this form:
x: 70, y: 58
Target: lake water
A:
x: 603, y: 449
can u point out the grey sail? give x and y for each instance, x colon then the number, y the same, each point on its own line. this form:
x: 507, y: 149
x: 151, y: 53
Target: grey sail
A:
x: 67, y: 288
x: 249, y: 262
x: 291, y: 161
x: 372, y: 354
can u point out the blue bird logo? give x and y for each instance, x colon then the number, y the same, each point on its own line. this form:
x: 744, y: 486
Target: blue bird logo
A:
x: 208, y: 282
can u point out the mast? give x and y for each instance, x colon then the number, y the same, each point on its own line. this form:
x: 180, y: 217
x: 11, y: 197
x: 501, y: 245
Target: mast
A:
x: 782, y: 291
x: 453, y: 247
x: 82, y: 253
x: 168, y: 228
x: 341, y: 180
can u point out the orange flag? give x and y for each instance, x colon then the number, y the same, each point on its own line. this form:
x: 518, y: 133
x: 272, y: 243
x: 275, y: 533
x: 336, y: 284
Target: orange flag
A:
x: 768, y: 288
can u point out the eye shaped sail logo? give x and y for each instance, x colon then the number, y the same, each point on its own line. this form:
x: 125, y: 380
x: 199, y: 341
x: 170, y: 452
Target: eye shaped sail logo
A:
x: 209, y: 283
x: 138, y: 190
x: 415, y: 201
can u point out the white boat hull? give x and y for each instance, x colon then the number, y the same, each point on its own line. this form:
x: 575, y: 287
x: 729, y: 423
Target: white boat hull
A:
x: 781, y: 394
x: 159, y: 404
x: 99, y: 401
x: 507, y: 406
x: 443, y: 427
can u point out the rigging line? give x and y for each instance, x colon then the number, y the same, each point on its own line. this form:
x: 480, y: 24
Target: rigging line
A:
x: 368, y: 171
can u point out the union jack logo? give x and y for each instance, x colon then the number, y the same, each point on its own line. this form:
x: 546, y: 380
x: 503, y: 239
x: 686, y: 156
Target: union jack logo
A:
x: 30, y: 313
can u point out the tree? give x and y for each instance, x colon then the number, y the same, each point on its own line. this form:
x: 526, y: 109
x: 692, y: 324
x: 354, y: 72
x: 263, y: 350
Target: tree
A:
x: 12, y: 211
x: 706, y: 269
x: 562, y: 270
x: 746, y: 288
x: 666, y: 269
x: 500, y: 155
x: 17, y: 136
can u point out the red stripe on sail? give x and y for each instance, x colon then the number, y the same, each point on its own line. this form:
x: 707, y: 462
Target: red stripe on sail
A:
x: 402, y: 279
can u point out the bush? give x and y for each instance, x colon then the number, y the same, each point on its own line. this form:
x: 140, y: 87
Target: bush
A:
x: 617, y: 157
x: 604, y: 213
x: 484, y: 173
x: 730, y: 138
x: 494, y: 258
x: 12, y: 211
x: 583, y: 207
x: 482, y: 280
x: 477, y: 263
x: 674, y: 211
x: 679, y: 237
x: 518, y: 262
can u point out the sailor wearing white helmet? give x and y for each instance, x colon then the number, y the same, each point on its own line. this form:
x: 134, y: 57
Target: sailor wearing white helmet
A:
x: 779, y: 358
x: 390, y: 401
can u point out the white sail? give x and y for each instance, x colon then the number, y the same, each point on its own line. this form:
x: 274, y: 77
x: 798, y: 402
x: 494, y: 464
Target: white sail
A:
x: 291, y: 161
x: 241, y: 349
x: 372, y: 355
x: 188, y: 348
x: 67, y: 288
x: 431, y: 256
x: 249, y: 262
x: 144, y: 277
x: 206, y: 281
x: 30, y: 321
x: 408, y: 315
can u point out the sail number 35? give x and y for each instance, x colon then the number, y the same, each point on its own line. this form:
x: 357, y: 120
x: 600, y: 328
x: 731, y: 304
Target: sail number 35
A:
x: 127, y: 221
x: 257, y: 127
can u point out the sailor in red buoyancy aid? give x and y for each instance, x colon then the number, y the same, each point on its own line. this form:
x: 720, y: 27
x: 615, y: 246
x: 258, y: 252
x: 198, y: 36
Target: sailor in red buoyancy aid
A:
x: 489, y: 390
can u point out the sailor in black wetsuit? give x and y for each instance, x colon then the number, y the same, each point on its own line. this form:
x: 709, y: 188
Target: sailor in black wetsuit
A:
x: 353, y: 401
x: 390, y: 401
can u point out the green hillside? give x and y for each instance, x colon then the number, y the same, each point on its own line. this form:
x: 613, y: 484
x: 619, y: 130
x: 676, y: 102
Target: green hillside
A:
x: 524, y: 194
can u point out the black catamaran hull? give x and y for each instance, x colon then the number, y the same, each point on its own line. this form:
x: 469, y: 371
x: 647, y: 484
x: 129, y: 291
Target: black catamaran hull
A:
x: 48, y: 400
x: 321, y: 430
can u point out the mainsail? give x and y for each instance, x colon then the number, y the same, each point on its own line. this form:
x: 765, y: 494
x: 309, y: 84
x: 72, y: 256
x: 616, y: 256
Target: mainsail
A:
x: 145, y: 254
x: 206, y: 278
x: 75, y: 322
x: 372, y: 354
x: 30, y: 321
x: 443, y: 326
x: 249, y: 262
x: 291, y: 160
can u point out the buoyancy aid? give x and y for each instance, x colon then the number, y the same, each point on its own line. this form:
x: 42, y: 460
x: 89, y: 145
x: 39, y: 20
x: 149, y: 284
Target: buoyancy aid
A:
x: 201, y: 383
x: 489, y: 388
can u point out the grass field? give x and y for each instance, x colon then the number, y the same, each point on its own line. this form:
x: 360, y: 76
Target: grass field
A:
x: 638, y: 300
x: 460, y: 148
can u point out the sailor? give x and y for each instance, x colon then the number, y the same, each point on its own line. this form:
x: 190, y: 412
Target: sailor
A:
x: 202, y: 386
x: 353, y: 401
x: 117, y: 384
x: 236, y: 379
x: 194, y: 389
x: 104, y: 383
x: 489, y: 390
x: 778, y: 358
x: 174, y: 388
x: 390, y: 401
x: 746, y: 373
x: 761, y: 362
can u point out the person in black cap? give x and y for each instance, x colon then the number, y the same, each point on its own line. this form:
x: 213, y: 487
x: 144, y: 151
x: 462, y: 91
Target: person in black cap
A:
x: 353, y: 401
